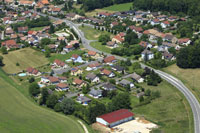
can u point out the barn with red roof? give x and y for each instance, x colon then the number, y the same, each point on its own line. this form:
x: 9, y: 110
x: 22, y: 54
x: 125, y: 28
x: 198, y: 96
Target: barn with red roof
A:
x: 115, y: 118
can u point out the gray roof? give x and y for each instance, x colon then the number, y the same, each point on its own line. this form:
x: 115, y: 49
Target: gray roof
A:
x: 118, y: 68
x: 95, y: 92
x: 83, y: 99
x: 109, y: 86
x: 91, y: 76
x: 147, y: 52
x: 135, y: 76
x: 125, y: 82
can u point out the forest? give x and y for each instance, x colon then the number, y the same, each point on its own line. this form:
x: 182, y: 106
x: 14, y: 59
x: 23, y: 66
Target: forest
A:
x: 189, y: 7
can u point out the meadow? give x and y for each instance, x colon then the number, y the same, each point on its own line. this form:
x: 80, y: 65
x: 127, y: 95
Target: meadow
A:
x: 26, y: 57
x: 119, y: 7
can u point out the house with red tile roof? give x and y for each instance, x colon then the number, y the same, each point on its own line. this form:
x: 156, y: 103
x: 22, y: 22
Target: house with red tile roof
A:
x: 78, y: 82
x: 62, y: 87
x: 93, y: 66
x: 115, y: 118
x: 23, y: 29
x: 117, y: 39
x: 32, y: 71
x: 93, y: 54
x: 76, y: 71
x: 165, y: 24
x: 68, y: 48
x: 107, y: 73
x: 109, y: 59
x: 58, y: 63
x: 10, y: 44
x: 184, y: 41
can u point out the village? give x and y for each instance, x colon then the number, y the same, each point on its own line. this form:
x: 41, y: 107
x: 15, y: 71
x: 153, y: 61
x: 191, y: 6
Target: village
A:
x: 87, y: 76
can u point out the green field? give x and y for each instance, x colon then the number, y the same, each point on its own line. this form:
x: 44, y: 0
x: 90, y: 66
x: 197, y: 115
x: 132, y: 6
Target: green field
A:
x: 37, y: 28
x: 171, y: 111
x: 119, y: 7
x: 100, y: 47
x: 91, y: 33
x: 26, y: 57
x: 190, y: 77
x: 20, y: 115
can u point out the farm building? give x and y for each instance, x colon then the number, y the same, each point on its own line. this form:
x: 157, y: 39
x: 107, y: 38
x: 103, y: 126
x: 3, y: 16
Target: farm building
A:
x: 115, y: 118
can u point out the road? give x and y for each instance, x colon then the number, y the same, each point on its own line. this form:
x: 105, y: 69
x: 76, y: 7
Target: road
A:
x: 172, y: 80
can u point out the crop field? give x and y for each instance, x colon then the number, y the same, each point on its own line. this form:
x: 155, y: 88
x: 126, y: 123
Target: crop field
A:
x: 119, y: 7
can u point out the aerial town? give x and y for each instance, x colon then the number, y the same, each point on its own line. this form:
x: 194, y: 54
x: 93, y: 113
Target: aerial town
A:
x: 71, y: 66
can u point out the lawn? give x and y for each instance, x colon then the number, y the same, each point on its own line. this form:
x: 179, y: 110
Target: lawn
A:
x: 26, y: 57
x: 64, y: 57
x: 119, y: 7
x: 171, y: 111
x: 91, y: 33
x: 37, y: 28
x: 100, y: 47
x: 18, y: 114
x: 190, y: 77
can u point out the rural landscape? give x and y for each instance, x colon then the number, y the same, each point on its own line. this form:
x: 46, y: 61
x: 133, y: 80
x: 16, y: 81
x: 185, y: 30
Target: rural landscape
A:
x: 99, y: 66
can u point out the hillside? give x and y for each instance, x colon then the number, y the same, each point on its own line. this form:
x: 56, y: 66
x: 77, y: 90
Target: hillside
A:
x: 18, y: 114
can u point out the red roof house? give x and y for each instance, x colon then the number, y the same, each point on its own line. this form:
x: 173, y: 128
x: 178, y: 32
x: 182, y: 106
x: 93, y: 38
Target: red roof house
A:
x: 115, y: 118
x: 109, y: 59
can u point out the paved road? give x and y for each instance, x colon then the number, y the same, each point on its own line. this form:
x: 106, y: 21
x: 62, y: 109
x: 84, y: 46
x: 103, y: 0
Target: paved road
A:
x: 172, y: 80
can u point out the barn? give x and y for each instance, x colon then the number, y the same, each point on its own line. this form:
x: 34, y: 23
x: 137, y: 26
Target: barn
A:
x: 115, y: 118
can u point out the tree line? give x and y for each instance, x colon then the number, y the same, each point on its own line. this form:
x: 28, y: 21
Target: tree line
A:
x: 190, y: 7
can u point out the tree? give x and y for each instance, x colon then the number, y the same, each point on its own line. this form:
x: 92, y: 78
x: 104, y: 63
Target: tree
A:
x: 172, y: 50
x: 67, y: 106
x: 160, y: 41
x: 112, y: 81
x: 45, y: 95
x: 47, y: 52
x: 57, y: 107
x: 128, y: 62
x: 147, y: 92
x: 136, y: 65
x: 104, y: 38
x: 85, y: 90
x: 52, y: 100
x: 141, y: 99
x: 52, y: 29
x: 31, y: 80
x: 34, y: 89
x: 1, y: 61
x: 4, y: 50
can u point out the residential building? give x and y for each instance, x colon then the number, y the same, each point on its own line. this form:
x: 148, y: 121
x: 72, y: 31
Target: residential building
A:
x: 147, y: 55
x: 62, y: 87
x: 107, y: 73
x: 93, y: 78
x: 96, y: 93
x: 76, y: 71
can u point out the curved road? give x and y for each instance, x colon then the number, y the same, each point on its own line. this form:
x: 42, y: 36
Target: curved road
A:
x: 172, y: 80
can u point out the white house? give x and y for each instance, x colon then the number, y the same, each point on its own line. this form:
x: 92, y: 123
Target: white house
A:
x: 147, y: 55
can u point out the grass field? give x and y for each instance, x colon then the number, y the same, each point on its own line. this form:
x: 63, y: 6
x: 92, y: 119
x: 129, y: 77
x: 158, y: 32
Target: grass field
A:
x: 91, y: 33
x: 119, y: 7
x: 26, y: 57
x: 65, y: 56
x: 100, y: 47
x: 171, y: 111
x: 190, y: 77
x: 20, y: 115
x: 37, y: 28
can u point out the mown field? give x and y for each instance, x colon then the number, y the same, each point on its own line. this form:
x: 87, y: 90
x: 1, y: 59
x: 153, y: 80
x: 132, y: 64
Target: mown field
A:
x: 100, y: 47
x: 190, y: 77
x: 171, y: 111
x: 119, y: 7
x: 26, y: 57
x: 20, y: 115
x: 91, y: 33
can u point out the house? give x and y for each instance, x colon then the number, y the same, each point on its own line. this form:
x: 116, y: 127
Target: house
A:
x: 55, y: 10
x: 22, y: 29
x: 126, y: 83
x: 104, y: 14
x: 115, y: 118
x: 26, y: 2
x: 137, y: 78
x: 78, y: 82
x: 83, y: 100
x: 138, y: 19
x: 147, y: 55
x: 77, y: 58
x: 68, y: 48
x: 111, y: 44
x: 170, y: 38
x: 76, y: 71
x: 168, y: 56
x: 155, y: 22
x: 118, y: 68
x: 109, y: 59
x: 62, y: 79
x: 58, y: 63
x: 32, y: 71
x: 117, y: 39
x: 9, y: 31
x: 72, y: 16
x: 93, y: 54
x: 165, y: 24
x: 145, y: 44
x: 9, y: 44
x: 93, y: 66
x: 109, y: 87
x: 93, y: 78
x: 96, y: 93
x: 136, y: 29
x: 62, y: 87
x: 107, y: 73
x: 114, y: 24
x: 53, y: 80
x: 184, y: 41
x: 140, y: 94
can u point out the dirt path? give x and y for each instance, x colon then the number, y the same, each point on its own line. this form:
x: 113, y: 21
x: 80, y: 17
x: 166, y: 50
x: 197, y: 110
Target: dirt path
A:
x: 84, y: 127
